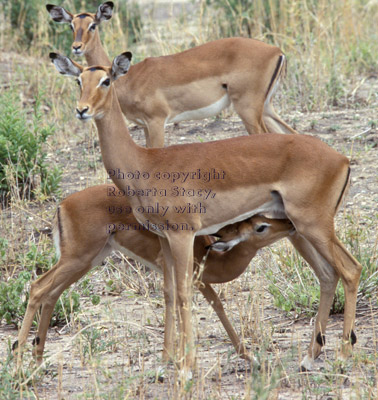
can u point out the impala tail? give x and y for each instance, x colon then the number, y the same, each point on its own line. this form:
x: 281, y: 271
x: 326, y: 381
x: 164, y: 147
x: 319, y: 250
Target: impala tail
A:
x: 57, y: 230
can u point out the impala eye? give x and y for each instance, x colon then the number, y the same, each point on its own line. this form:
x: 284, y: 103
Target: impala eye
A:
x: 92, y: 27
x: 261, y: 228
x: 78, y: 82
x: 72, y: 28
x: 106, y: 82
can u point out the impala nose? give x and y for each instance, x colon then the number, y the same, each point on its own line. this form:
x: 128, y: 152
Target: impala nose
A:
x: 81, y: 113
x: 76, y: 48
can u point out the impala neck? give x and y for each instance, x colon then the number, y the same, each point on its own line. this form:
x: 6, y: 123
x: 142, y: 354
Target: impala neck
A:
x: 118, y: 149
x: 97, y: 54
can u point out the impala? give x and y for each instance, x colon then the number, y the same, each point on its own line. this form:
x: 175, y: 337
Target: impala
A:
x: 193, y: 84
x: 85, y: 234
x: 280, y: 176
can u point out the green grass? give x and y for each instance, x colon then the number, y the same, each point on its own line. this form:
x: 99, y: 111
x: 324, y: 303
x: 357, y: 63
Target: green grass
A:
x: 295, y: 287
x: 23, y: 159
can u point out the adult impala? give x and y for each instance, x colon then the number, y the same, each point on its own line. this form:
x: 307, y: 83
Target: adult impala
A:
x: 90, y: 224
x: 194, y: 84
x: 282, y: 176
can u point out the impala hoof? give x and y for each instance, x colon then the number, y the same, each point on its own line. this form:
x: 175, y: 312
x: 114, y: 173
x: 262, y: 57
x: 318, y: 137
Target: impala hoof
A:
x: 36, y: 341
x: 159, y: 376
x: 307, y: 364
x: 15, y: 345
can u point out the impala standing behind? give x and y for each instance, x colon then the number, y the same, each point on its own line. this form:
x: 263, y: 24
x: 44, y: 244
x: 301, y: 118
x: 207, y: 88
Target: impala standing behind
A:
x: 195, y: 84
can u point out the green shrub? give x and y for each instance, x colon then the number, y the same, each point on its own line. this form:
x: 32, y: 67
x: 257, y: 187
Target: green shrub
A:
x: 131, y: 19
x: 14, y: 293
x: 22, y: 157
x: 14, y: 297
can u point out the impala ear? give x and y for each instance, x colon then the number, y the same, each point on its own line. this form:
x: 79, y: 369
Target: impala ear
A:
x: 104, y: 11
x: 59, y: 14
x: 121, y: 65
x: 65, y: 65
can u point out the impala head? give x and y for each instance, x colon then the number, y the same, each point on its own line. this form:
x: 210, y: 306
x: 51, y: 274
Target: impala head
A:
x: 257, y: 230
x: 83, y: 25
x: 95, y: 82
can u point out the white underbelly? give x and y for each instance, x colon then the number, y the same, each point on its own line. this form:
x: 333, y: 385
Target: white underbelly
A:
x: 204, y: 112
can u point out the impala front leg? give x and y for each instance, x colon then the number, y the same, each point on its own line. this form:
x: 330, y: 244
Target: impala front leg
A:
x: 147, y: 136
x: 179, y: 258
x: 155, y: 132
x: 170, y: 303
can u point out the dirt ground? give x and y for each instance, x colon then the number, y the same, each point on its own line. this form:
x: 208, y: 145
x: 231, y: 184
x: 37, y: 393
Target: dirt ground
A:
x: 132, y: 323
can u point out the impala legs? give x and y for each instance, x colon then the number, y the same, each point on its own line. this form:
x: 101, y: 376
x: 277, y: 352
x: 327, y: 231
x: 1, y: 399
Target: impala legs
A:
x: 60, y: 283
x: 46, y: 291
x: 251, y: 117
x: 155, y: 132
x: 350, y: 279
x: 260, y: 121
x: 330, y: 260
x: 170, y: 302
x: 273, y: 122
x: 178, y: 276
x: 328, y: 279
x: 213, y: 299
x: 147, y: 136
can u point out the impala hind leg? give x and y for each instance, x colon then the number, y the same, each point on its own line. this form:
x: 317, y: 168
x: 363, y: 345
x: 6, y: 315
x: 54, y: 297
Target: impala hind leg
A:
x: 250, y: 115
x: 328, y: 279
x: 62, y: 279
x: 350, y: 275
x: 38, y: 292
x: 330, y: 250
x: 273, y: 123
x: 47, y: 288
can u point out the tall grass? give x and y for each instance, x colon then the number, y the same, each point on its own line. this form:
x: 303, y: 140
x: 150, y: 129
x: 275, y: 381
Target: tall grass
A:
x: 329, y: 45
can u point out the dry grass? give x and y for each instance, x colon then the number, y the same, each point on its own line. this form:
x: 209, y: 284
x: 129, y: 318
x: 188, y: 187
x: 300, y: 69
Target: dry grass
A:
x: 110, y: 350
